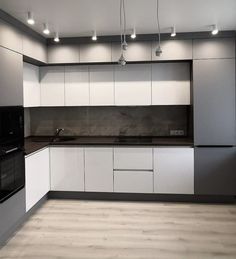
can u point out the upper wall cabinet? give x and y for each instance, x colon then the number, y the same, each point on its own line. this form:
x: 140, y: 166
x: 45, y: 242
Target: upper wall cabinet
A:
x: 173, y: 50
x: 10, y: 37
x: 63, y: 54
x: 213, y: 48
x: 133, y: 84
x: 76, y: 86
x: 170, y: 84
x: 96, y: 52
x: 101, y: 85
x: 31, y: 85
x: 11, y: 78
x: 136, y: 51
x: 34, y: 49
x: 52, y: 86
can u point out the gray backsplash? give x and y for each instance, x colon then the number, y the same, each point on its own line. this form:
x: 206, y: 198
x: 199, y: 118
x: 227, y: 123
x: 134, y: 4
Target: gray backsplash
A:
x: 109, y: 121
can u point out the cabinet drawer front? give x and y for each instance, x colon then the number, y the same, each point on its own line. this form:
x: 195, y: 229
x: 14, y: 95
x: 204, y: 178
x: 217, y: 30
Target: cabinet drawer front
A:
x: 133, y: 181
x: 133, y: 158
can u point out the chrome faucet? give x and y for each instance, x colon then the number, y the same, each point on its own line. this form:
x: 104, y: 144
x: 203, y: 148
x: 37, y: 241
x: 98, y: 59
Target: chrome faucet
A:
x: 57, y: 133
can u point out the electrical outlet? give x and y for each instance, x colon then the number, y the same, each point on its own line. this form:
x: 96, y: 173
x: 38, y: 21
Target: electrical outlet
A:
x: 176, y: 132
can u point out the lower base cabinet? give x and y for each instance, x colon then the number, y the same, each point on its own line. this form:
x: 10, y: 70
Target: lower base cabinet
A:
x: 133, y: 181
x: 99, y: 169
x: 215, y: 170
x: 37, y: 177
x: 174, y: 170
x: 67, y: 168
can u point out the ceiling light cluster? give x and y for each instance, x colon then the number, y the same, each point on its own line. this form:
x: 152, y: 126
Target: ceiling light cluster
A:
x: 46, y: 30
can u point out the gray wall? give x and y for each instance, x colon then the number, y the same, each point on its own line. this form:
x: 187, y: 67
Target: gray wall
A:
x: 109, y: 121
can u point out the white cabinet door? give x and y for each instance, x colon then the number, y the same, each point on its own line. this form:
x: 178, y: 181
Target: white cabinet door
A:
x: 37, y: 177
x: 133, y: 181
x: 67, y: 168
x: 76, y: 86
x: 174, y: 170
x: 133, y: 158
x: 170, y: 84
x: 133, y: 84
x: 63, y: 53
x: 99, y: 169
x: 101, y: 85
x: 31, y: 85
x: 52, y: 86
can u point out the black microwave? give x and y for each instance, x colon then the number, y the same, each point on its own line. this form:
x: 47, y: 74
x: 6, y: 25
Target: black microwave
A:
x: 11, y: 126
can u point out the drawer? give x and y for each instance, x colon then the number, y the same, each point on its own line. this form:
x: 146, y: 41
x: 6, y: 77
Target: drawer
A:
x: 133, y: 181
x: 133, y: 158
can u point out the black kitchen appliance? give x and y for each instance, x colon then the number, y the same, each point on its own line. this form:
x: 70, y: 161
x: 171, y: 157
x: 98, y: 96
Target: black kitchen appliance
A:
x: 12, y: 168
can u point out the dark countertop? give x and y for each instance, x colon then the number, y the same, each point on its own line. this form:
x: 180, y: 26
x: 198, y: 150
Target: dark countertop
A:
x: 34, y: 143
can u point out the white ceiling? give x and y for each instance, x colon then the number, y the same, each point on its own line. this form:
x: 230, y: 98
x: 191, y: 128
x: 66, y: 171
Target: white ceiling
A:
x: 80, y: 17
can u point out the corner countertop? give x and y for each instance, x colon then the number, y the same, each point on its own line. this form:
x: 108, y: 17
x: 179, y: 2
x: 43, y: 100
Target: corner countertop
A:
x: 35, y: 143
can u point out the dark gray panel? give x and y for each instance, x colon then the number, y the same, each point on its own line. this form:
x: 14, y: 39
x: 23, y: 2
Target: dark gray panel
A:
x: 215, y: 170
x: 11, y: 212
x: 11, y: 78
x: 214, y: 101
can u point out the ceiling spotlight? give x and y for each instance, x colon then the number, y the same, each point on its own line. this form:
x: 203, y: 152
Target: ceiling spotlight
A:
x: 122, y: 60
x: 56, y: 38
x: 94, y: 37
x: 46, y: 29
x: 30, y: 18
x: 133, y: 35
x: 173, y: 32
x: 214, y: 29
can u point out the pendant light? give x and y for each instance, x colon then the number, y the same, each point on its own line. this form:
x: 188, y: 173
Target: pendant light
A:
x: 123, y: 42
x: 158, y: 49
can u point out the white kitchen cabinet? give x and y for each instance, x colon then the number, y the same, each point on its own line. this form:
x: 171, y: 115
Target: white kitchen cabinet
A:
x: 133, y: 181
x: 133, y: 84
x: 101, y: 85
x: 174, y: 170
x: 52, y: 84
x: 67, y: 168
x: 31, y: 85
x: 37, y: 177
x: 171, y: 84
x: 76, y: 86
x: 98, y: 169
x: 140, y: 158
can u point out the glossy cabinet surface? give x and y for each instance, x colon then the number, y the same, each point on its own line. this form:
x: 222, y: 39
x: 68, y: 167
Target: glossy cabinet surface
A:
x: 171, y: 84
x: 67, y: 168
x: 174, y: 170
x: 31, y: 85
x: 98, y: 169
x: 37, y: 177
x: 76, y: 86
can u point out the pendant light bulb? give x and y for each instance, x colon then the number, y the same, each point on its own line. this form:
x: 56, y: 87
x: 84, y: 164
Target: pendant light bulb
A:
x: 158, y: 51
x: 214, y: 29
x: 173, y: 32
x: 46, y: 29
x: 124, y: 45
x: 133, y: 35
x: 94, y: 37
x: 56, y: 38
x: 30, y: 18
x: 122, y: 60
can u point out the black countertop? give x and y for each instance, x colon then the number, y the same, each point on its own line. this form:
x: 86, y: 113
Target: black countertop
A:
x: 34, y: 143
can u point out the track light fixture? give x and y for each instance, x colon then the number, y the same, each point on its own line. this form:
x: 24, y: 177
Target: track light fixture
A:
x: 214, y: 29
x: 173, y: 32
x: 94, y: 37
x: 158, y: 49
x: 133, y: 35
x: 30, y: 18
x: 46, y: 29
x: 56, y: 38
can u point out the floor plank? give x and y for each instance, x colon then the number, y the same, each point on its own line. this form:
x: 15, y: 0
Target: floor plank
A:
x: 95, y: 229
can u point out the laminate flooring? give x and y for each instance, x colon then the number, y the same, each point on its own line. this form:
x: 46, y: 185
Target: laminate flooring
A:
x: 100, y: 230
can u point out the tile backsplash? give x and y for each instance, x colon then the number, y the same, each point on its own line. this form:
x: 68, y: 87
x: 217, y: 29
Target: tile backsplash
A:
x: 110, y: 121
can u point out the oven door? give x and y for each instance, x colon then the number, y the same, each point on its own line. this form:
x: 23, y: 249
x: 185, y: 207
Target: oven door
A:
x: 12, y: 173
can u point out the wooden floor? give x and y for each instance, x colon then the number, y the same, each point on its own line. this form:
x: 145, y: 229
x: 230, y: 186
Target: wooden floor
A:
x: 92, y: 229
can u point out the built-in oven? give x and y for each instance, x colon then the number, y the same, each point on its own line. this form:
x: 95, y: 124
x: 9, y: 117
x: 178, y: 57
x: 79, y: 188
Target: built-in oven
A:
x: 12, y: 168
